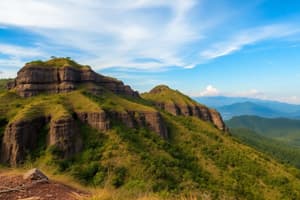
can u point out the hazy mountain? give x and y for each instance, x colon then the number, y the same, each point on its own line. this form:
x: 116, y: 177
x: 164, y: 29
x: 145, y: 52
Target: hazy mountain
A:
x: 236, y: 106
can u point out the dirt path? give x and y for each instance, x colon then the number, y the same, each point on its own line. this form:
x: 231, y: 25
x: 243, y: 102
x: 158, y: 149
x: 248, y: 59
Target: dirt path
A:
x: 14, y: 187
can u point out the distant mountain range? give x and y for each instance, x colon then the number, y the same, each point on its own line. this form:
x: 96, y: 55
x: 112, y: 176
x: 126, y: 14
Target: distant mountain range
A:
x: 281, y: 129
x: 237, y: 106
x: 279, y: 137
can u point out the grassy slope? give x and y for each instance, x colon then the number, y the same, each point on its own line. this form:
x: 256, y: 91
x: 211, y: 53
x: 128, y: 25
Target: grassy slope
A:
x: 3, y: 83
x: 287, y: 130
x: 198, y: 159
x: 278, y: 149
x: 57, y: 62
x: 164, y: 94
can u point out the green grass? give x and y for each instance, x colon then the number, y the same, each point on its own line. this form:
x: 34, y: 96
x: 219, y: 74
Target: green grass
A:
x: 57, y: 62
x: 280, y: 150
x: 163, y: 94
x: 3, y: 83
x: 197, y: 158
x: 112, y: 102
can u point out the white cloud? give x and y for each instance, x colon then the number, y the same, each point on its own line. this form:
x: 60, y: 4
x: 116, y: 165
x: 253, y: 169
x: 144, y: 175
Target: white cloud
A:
x: 19, y: 51
x: 252, y: 93
x: 110, y: 33
x: 210, y: 91
x: 248, y: 37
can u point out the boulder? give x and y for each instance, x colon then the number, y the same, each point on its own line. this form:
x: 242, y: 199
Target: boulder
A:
x: 34, y: 175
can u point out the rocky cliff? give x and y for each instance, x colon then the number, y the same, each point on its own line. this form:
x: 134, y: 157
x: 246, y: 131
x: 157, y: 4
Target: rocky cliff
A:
x: 178, y: 104
x: 49, y: 77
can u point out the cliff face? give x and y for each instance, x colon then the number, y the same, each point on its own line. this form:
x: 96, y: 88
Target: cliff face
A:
x: 22, y: 136
x: 198, y: 111
x: 178, y: 104
x: 35, y: 79
x: 18, y: 138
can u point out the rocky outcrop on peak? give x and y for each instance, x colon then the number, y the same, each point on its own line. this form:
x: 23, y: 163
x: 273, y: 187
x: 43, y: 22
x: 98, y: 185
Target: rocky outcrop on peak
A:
x: 198, y: 111
x: 34, y: 79
x: 176, y: 103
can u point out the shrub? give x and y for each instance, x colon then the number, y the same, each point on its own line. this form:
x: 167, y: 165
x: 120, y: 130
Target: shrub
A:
x: 119, y: 176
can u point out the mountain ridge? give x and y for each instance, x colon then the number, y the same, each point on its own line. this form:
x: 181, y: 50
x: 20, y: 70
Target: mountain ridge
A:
x: 171, y: 147
x: 236, y: 106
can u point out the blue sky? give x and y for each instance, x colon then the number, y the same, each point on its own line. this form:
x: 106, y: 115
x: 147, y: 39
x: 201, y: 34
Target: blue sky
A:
x: 201, y: 47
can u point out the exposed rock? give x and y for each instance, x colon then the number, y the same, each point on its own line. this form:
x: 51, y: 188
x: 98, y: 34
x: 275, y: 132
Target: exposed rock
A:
x: 176, y: 103
x: 97, y: 120
x: 22, y: 136
x: 149, y: 119
x: 34, y: 79
x: 217, y: 120
x: 35, y: 174
x: 19, y: 138
x: 65, y: 136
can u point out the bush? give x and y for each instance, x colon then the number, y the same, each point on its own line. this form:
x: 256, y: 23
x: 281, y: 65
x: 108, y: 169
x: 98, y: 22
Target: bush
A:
x: 119, y: 176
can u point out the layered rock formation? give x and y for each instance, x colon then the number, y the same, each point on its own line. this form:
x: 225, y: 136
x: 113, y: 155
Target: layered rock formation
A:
x: 149, y: 119
x: 35, y: 78
x: 21, y: 137
x: 178, y: 104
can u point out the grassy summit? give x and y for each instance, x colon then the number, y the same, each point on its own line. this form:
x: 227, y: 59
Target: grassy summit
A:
x: 57, y: 62
x: 164, y: 94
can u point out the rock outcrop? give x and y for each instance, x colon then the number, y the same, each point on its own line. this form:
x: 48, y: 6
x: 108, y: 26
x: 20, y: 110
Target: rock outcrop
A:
x: 176, y: 103
x: 34, y: 79
x: 22, y: 136
x: 34, y: 175
x: 19, y: 138
x: 198, y: 111
x: 65, y: 136
x: 150, y: 119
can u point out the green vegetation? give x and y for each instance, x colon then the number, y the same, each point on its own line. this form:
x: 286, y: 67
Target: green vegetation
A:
x: 281, y: 129
x: 196, y: 160
x: 3, y: 83
x: 280, y: 150
x: 57, y: 62
x: 163, y: 94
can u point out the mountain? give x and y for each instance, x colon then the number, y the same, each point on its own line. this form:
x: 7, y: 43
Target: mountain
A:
x: 282, y: 129
x: 62, y: 116
x: 247, y: 108
x: 178, y: 104
x: 219, y: 101
x: 236, y: 106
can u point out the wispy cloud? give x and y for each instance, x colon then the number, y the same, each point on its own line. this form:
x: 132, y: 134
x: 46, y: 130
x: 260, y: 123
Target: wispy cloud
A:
x: 111, y: 33
x: 252, y: 93
x: 248, y: 37
x: 19, y: 51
